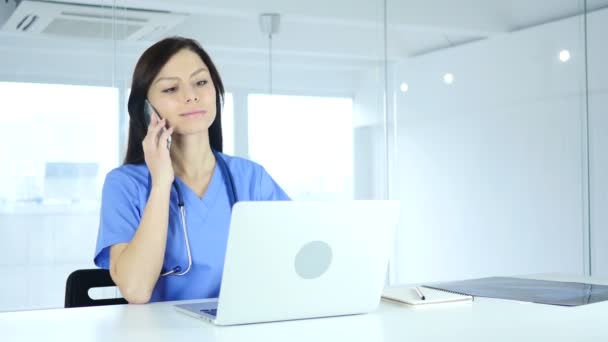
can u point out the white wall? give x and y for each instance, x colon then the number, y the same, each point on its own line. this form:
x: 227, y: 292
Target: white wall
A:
x: 491, y: 168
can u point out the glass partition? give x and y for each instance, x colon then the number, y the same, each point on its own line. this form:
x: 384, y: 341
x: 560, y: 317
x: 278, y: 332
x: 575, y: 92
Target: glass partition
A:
x: 304, y: 83
x: 491, y: 139
x: 60, y: 111
x: 597, y: 97
x: 486, y: 123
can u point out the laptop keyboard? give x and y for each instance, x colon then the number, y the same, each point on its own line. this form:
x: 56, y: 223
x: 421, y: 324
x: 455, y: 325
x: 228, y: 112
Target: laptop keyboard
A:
x: 212, y: 312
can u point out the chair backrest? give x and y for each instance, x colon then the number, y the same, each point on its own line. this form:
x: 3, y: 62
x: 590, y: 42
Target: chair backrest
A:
x: 80, y: 281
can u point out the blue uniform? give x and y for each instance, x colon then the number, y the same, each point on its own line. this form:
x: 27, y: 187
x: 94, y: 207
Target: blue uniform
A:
x: 125, y: 193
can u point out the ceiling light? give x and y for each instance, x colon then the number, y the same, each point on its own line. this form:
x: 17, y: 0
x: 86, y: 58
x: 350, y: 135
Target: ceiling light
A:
x: 448, y: 78
x: 404, y: 87
x: 564, y: 55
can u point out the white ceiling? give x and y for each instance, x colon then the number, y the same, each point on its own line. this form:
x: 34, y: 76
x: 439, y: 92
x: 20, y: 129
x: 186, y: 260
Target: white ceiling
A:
x: 337, y: 27
x: 416, y: 27
x: 349, y: 34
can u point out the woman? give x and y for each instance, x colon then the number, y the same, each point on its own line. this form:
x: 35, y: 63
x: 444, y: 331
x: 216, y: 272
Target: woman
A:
x: 175, y: 158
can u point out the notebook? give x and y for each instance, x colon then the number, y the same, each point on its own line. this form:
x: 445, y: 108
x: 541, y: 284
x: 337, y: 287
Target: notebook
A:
x: 408, y: 295
x: 529, y: 290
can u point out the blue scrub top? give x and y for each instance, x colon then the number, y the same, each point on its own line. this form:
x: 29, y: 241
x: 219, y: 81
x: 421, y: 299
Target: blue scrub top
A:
x: 124, y: 196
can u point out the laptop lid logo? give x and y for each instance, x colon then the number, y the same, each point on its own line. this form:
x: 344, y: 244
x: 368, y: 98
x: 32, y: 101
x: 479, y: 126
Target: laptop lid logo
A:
x: 313, y: 260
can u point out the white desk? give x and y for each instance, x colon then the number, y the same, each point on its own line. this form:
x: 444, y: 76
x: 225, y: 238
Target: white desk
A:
x: 483, y: 320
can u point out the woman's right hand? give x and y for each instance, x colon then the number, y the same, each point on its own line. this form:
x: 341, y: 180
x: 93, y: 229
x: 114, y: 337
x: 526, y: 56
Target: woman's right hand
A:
x: 156, y: 152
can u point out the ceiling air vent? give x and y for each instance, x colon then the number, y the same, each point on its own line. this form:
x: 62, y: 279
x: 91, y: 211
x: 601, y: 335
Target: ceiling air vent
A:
x: 90, y: 21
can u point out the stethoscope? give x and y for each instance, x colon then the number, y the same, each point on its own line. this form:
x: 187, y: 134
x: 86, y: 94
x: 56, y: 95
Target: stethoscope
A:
x: 232, y: 197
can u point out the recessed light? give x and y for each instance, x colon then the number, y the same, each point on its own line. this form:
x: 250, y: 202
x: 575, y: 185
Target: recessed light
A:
x: 404, y: 87
x: 448, y: 78
x: 564, y: 55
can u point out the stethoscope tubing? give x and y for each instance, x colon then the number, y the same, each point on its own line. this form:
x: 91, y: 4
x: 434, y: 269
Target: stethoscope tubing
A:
x: 232, y: 196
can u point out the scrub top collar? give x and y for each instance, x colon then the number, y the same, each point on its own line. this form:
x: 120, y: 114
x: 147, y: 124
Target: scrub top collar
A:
x: 209, y: 197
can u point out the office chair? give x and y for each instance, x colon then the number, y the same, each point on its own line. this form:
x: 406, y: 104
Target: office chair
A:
x: 81, y: 281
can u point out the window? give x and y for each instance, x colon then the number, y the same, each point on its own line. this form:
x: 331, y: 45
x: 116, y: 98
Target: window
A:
x: 305, y: 143
x: 57, y: 145
x: 66, y: 132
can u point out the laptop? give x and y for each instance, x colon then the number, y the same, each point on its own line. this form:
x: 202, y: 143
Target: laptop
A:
x: 288, y: 260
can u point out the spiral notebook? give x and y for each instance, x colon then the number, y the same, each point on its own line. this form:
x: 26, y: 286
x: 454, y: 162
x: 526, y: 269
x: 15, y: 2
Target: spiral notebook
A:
x: 408, y: 295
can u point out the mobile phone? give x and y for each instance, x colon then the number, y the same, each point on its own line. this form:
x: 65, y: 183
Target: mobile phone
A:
x: 149, y: 110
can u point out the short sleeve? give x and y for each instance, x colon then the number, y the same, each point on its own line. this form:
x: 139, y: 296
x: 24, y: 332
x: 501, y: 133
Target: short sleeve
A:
x: 119, y: 215
x: 269, y: 190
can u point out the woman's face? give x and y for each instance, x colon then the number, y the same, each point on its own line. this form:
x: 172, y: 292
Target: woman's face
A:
x: 183, y: 93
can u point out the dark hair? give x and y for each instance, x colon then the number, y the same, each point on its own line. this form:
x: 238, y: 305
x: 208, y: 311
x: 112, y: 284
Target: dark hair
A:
x: 147, y: 68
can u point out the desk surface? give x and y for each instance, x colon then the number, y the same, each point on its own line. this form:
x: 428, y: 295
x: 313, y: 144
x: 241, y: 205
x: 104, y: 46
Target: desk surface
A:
x: 483, y: 320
